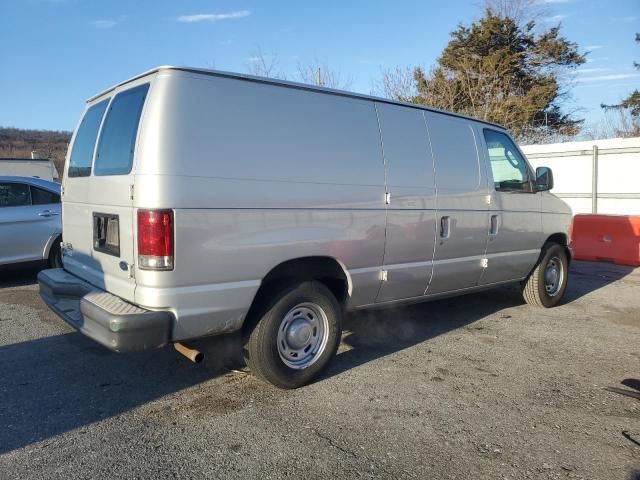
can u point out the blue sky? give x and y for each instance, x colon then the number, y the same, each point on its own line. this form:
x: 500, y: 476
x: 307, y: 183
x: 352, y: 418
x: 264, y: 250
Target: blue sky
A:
x: 57, y: 53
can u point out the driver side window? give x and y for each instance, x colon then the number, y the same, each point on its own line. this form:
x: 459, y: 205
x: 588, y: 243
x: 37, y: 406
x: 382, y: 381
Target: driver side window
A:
x: 509, y: 168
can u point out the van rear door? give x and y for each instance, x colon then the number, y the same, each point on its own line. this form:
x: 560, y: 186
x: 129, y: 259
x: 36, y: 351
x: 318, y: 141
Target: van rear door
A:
x: 98, y: 214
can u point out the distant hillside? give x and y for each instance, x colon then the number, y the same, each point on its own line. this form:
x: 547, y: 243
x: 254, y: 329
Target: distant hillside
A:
x: 18, y: 143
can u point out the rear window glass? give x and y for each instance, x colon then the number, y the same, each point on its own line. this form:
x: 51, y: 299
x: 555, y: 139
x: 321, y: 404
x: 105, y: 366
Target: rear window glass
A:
x: 82, y: 152
x: 118, y: 137
x: 43, y: 197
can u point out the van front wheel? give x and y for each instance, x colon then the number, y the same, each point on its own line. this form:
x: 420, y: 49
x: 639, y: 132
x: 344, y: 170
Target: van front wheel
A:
x: 297, y: 334
x: 547, y: 282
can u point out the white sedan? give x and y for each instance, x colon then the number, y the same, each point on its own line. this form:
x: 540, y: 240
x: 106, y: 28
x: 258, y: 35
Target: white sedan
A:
x: 30, y: 224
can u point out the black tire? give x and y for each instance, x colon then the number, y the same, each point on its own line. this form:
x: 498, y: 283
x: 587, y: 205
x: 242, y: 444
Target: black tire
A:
x: 537, y: 289
x: 262, y: 351
x: 55, y: 254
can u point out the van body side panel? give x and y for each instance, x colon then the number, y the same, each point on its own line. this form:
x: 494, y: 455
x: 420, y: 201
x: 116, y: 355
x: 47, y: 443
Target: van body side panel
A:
x: 411, y: 215
x: 256, y: 174
x: 463, y: 212
x: 219, y: 275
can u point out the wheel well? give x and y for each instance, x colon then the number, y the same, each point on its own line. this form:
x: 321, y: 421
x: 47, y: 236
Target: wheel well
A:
x: 327, y: 270
x: 560, y: 239
x: 52, y: 241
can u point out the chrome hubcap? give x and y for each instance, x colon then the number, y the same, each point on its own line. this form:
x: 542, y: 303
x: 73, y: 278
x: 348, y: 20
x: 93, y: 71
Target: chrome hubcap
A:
x: 303, y: 335
x: 553, y: 276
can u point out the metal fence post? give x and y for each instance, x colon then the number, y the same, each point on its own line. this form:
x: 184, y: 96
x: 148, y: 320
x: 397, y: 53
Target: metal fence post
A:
x: 594, y: 180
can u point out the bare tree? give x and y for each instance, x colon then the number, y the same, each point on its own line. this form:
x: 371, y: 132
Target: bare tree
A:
x: 264, y: 65
x: 398, y: 83
x: 320, y: 74
x: 520, y: 11
x: 615, y: 124
x: 315, y: 72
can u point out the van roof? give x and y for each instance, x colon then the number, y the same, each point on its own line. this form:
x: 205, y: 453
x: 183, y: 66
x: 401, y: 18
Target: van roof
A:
x: 286, y: 83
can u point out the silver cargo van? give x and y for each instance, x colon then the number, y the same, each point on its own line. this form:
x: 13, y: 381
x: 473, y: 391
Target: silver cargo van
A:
x: 198, y: 202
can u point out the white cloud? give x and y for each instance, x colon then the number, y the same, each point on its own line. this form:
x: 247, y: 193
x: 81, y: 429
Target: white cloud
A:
x: 555, y: 18
x: 630, y: 19
x: 213, y: 17
x: 613, y: 76
x: 593, y: 47
x: 597, y: 59
x: 104, y: 23
x: 582, y: 71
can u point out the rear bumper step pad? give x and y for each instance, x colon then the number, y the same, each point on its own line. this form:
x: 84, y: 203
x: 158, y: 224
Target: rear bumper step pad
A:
x: 106, y: 318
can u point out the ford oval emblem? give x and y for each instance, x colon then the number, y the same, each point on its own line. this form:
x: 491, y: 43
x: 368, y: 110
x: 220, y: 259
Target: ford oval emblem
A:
x: 124, y: 265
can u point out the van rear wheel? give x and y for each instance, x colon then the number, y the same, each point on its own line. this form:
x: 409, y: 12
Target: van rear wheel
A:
x: 297, y: 334
x: 547, y: 282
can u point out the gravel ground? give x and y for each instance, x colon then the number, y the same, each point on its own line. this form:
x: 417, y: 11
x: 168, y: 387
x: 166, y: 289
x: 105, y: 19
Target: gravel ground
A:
x: 480, y: 386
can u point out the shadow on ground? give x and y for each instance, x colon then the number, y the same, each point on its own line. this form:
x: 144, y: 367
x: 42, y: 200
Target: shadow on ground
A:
x: 18, y: 275
x: 55, y: 384
x: 587, y: 277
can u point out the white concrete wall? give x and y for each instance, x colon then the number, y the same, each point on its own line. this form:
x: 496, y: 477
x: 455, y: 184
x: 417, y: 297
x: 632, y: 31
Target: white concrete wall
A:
x: 29, y: 168
x: 618, y: 173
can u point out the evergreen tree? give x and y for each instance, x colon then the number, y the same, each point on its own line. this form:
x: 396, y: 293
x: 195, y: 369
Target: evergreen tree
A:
x: 632, y: 102
x: 506, y: 72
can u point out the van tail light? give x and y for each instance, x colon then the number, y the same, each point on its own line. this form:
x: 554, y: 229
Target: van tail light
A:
x: 155, y: 239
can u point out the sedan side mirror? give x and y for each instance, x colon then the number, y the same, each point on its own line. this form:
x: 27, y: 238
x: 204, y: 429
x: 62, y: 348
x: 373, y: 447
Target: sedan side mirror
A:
x: 544, y: 179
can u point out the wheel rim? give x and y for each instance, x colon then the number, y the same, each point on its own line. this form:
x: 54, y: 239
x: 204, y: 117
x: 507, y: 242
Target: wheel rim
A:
x: 303, y: 335
x: 553, y: 276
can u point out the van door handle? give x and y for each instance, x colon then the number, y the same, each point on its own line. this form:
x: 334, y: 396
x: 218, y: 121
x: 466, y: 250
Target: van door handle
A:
x: 445, y: 227
x: 495, y: 225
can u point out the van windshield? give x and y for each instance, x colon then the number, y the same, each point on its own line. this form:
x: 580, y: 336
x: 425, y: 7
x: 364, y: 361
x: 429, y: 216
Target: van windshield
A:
x: 117, y: 140
x: 83, y: 145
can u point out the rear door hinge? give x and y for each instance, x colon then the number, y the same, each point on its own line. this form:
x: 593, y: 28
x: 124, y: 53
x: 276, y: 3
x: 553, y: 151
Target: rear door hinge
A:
x: 488, y: 199
x: 387, y: 198
x: 484, y: 262
x: 383, y: 275
x: 131, y: 192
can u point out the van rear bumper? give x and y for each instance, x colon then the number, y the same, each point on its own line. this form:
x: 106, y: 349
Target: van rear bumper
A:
x: 106, y: 318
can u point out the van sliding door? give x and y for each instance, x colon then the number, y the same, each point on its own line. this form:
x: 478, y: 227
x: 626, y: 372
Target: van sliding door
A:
x: 411, y: 216
x: 463, y: 211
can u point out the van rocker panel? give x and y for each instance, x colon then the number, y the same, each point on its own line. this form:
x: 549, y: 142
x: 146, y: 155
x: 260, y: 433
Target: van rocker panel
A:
x: 107, y: 319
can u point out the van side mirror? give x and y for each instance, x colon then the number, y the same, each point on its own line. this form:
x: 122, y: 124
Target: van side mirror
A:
x: 544, y: 179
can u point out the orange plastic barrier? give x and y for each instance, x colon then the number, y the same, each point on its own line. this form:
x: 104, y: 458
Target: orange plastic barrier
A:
x: 610, y: 238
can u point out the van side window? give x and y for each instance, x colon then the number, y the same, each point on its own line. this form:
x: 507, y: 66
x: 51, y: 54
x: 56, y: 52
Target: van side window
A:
x: 117, y: 140
x: 14, y: 195
x: 85, y: 141
x: 509, y: 168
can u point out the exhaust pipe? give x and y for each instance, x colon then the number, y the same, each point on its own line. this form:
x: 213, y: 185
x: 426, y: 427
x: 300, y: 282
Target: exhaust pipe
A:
x: 196, y: 356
